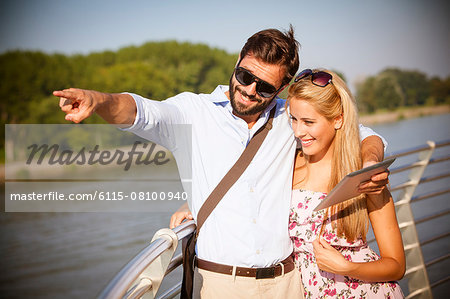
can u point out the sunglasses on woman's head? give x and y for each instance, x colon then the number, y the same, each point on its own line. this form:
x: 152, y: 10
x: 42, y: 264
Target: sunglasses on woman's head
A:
x: 246, y: 78
x: 320, y: 78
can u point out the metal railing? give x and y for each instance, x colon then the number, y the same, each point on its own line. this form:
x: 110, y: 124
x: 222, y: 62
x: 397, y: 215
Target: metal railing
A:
x: 142, y: 276
x: 412, y: 174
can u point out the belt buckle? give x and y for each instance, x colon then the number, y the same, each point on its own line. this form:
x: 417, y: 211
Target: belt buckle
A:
x: 262, y: 273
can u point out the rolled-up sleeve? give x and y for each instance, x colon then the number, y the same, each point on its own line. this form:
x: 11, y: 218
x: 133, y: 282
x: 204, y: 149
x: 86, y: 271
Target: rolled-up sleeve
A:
x: 365, y: 132
x: 155, y: 121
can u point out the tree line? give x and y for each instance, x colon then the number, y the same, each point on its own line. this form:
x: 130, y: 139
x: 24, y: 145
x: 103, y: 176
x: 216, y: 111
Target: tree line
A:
x: 393, y: 88
x: 156, y: 70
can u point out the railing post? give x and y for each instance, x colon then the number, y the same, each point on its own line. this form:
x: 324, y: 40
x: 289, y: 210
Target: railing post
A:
x: 416, y: 272
x: 147, y: 284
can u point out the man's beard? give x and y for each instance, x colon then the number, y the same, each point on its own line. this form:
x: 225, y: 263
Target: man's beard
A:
x: 240, y: 109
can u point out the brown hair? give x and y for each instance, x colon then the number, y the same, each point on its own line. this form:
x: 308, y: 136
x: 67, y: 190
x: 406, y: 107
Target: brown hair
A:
x: 331, y: 101
x: 275, y: 47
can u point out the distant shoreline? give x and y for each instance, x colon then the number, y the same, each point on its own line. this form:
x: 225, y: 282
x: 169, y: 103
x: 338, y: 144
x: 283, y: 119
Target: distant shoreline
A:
x: 402, y: 113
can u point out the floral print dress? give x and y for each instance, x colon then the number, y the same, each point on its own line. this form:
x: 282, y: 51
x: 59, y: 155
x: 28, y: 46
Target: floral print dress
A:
x: 304, y: 227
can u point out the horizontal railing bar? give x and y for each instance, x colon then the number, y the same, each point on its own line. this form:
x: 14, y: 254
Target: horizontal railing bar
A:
x: 402, y: 185
x: 437, y: 260
x: 405, y: 167
x: 408, y: 152
x: 172, y: 292
x: 184, y: 229
x: 430, y: 240
x: 416, y: 149
x: 422, y: 180
x: 442, y: 143
x: 439, y: 282
x: 424, y: 242
x: 438, y: 159
x: 434, y: 177
x: 429, y: 195
x: 427, y: 218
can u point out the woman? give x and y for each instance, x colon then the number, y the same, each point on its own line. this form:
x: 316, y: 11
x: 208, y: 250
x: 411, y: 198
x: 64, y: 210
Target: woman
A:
x: 330, y: 246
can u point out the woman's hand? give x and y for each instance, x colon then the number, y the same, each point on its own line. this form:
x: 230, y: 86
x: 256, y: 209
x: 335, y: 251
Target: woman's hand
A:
x: 390, y: 266
x: 329, y: 259
x: 377, y: 182
x: 180, y: 215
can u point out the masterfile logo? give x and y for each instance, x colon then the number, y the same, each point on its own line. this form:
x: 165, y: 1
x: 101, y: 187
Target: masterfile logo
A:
x: 95, y: 168
x: 94, y: 156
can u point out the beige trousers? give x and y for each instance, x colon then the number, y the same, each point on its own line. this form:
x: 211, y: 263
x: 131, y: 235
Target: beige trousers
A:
x: 211, y: 285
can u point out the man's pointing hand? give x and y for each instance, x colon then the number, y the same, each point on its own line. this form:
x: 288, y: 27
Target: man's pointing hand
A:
x: 78, y: 104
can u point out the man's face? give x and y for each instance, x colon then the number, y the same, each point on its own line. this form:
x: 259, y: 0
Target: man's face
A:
x: 244, y: 99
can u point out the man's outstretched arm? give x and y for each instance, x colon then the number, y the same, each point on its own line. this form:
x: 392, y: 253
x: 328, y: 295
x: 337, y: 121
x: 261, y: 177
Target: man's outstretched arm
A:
x: 79, y: 104
x: 372, y: 150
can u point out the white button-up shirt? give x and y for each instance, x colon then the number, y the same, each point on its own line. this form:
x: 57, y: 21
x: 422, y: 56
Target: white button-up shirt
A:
x: 249, y: 227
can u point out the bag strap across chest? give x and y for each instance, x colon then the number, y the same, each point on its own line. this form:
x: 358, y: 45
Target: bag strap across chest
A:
x: 235, y: 172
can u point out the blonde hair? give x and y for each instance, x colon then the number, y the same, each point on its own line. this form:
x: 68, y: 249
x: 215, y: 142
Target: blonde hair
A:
x: 331, y: 101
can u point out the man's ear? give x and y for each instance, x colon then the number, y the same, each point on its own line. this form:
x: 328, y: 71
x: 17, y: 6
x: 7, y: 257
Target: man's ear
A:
x: 338, y: 121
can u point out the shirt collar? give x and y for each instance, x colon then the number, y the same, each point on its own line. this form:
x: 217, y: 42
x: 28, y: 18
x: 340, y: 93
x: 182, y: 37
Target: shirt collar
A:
x: 218, y: 95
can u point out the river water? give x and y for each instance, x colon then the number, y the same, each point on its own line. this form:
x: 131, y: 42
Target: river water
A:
x: 74, y: 255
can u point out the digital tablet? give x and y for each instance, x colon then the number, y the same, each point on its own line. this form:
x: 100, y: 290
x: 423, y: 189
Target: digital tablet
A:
x: 347, y: 188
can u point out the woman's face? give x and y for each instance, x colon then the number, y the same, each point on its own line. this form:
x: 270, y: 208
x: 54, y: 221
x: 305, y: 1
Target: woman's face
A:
x: 315, y: 132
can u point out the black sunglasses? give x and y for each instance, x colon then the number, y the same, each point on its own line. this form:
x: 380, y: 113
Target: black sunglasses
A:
x: 246, y: 78
x: 321, y: 78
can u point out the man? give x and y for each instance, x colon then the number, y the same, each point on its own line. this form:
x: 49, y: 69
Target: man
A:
x: 248, y: 229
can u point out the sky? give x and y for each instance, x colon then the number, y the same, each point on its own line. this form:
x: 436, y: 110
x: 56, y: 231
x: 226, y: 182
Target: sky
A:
x: 358, y: 38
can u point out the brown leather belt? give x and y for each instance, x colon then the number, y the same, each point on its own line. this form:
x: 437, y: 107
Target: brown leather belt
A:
x: 258, y: 273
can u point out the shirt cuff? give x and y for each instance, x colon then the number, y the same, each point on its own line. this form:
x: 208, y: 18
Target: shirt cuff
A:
x: 138, y: 100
